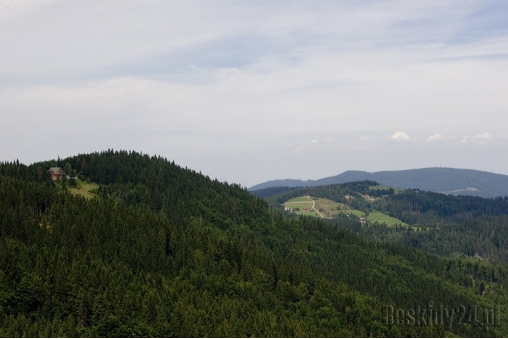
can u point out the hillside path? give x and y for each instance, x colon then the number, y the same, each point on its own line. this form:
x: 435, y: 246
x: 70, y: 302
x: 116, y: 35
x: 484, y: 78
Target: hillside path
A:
x: 313, y: 204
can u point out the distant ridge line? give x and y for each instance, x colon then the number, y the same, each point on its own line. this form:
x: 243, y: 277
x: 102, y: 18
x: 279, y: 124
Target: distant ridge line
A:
x: 435, y: 179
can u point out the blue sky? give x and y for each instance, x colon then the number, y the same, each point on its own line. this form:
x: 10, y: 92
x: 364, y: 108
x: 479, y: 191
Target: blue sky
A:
x: 253, y: 91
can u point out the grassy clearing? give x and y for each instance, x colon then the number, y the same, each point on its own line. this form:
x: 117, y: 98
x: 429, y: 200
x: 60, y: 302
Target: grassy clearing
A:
x: 355, y: 212
x: 298, y: 205
x: 380, y: 217
x: 84, y: 188
x: 328, y: 208
x: 298, y: 200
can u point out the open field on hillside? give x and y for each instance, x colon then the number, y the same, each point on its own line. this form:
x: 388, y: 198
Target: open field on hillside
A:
x: 299, y: 200
x: 298, y: 206
x: 327, y: 208
x: 84, y: 188
x: 354, y: 212
x: 380, y: 217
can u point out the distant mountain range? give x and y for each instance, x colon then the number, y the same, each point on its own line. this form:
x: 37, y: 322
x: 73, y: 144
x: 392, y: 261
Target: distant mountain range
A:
x: 436, y: 179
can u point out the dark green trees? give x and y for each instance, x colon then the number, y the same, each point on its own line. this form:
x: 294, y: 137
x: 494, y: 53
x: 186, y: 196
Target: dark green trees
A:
x: 164, y: 251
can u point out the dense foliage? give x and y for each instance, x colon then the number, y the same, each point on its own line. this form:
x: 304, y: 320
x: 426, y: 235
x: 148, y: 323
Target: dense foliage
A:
x: 418, y: 207
x: 166, y: 251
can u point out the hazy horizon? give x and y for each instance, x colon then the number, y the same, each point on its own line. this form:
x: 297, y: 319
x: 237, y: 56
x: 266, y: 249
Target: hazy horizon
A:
x: 355, y: 170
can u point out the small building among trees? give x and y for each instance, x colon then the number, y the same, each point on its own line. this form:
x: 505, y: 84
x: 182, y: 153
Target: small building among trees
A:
x: 57, y: 173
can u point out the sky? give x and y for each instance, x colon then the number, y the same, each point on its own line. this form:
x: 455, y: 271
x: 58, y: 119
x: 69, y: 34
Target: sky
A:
x: 251, y: 91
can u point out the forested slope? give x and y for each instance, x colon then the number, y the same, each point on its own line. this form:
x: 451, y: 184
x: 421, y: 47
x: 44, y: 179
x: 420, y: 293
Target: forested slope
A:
x: 165, y: 251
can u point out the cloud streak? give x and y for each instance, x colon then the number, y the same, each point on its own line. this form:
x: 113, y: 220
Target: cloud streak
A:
x: 483, y: 136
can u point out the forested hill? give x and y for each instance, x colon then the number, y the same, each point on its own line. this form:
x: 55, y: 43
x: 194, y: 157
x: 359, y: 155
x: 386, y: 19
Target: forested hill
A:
x: 165, y: 251
x: 412, y: 206
x: 443, y: 224
x: 443, y: 180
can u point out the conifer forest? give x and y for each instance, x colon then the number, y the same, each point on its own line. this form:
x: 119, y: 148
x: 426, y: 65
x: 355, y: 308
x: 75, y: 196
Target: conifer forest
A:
x: 158, y: 250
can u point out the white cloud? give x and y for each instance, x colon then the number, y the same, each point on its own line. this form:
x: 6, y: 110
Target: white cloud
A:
x: 314, y: 141
x: 479, y: 139
x: 400, y: 136
x: 483, y: 136
x: 434, y: 137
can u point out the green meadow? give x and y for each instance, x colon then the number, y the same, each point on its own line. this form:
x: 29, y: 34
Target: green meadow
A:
x: 84, y: 188
x: 298, y: 205
x: 381, y: 218
x: 328, y: 208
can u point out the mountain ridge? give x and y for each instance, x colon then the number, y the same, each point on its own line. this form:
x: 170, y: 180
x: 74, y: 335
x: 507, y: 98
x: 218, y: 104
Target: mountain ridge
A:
x: 435, y: 179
